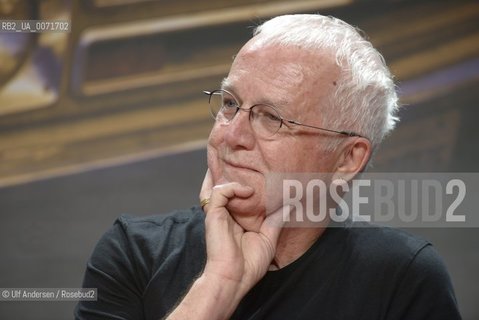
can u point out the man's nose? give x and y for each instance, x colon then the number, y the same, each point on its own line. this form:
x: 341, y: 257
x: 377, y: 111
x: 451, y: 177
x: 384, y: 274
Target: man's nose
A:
x: 239, y: 132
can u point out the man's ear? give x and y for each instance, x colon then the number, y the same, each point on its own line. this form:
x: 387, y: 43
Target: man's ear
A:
x: 353, y: 159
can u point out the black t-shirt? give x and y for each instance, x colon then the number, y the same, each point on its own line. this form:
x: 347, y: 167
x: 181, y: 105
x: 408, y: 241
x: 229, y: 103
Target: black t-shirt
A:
x: 142, y: 268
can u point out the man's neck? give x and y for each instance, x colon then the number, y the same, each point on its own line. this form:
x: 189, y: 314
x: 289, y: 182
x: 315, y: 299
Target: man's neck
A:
x: 293, y: 243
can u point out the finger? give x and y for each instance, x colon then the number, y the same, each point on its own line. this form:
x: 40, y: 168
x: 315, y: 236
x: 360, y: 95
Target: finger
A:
x: 274, y: 223
x: 206, y: 187
x: 222, y: 193
x: 220, y: 226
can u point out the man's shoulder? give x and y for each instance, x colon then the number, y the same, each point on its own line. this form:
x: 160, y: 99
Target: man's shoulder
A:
x: 175, y: 228
x: 146, y: 261
x: 151, y: 238
x: 147, y: 243
x: 384, y: 244
x: 175, y: 219
x: 406, y: 268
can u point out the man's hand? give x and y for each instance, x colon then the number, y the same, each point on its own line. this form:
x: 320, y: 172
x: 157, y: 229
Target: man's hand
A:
x: 235, y: 254
x: 236, y: 258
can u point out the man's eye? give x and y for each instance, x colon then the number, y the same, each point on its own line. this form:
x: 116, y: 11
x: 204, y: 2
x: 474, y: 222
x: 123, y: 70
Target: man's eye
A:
x: 230, y: 104
x: 270, y: 116
x: 273, y: 117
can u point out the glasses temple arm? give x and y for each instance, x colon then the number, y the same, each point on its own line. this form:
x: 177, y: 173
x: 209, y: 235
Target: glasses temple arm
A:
x: 347, y: 133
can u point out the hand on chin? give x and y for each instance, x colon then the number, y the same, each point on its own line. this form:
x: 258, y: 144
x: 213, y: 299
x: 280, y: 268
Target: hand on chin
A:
x: 246, y: 214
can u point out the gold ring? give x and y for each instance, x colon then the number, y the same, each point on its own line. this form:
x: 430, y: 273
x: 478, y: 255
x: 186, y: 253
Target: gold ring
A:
x: 204, y: 202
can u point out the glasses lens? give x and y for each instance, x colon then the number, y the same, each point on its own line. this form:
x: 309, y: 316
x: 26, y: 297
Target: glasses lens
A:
x: 223, y: 105
x: 265, y: 120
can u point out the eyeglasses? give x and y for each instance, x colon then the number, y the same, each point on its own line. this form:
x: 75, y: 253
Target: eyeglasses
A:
x: 265, y: 119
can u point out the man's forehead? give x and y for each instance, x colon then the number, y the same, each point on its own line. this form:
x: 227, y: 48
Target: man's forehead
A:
x: 290, y: 61
x: 281, y: 74
x: 276, y: 70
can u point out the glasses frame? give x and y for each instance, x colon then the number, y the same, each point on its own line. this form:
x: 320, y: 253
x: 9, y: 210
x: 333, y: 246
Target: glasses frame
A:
x: 282, y: 120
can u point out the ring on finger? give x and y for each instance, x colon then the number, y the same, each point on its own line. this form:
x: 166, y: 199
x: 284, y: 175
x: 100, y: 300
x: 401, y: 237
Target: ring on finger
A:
x: 204, y: 202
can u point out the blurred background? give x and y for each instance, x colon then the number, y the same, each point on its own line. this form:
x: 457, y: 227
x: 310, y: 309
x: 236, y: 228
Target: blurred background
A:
x: 109, y: 119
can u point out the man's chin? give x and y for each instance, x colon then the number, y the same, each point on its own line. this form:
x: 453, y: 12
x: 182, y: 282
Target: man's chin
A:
x: 247, y: 213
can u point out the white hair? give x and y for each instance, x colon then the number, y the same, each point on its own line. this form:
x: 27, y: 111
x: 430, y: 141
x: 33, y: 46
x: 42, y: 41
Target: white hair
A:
x: 365, y: 99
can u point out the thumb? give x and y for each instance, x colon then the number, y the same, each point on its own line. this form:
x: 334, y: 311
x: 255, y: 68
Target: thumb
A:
x: 274, y: 223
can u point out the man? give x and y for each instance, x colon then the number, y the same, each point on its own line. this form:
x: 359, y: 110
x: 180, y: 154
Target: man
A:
x: 305, y: 94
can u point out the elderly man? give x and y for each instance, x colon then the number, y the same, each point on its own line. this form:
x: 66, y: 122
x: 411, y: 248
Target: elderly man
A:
x: 305, y: 94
